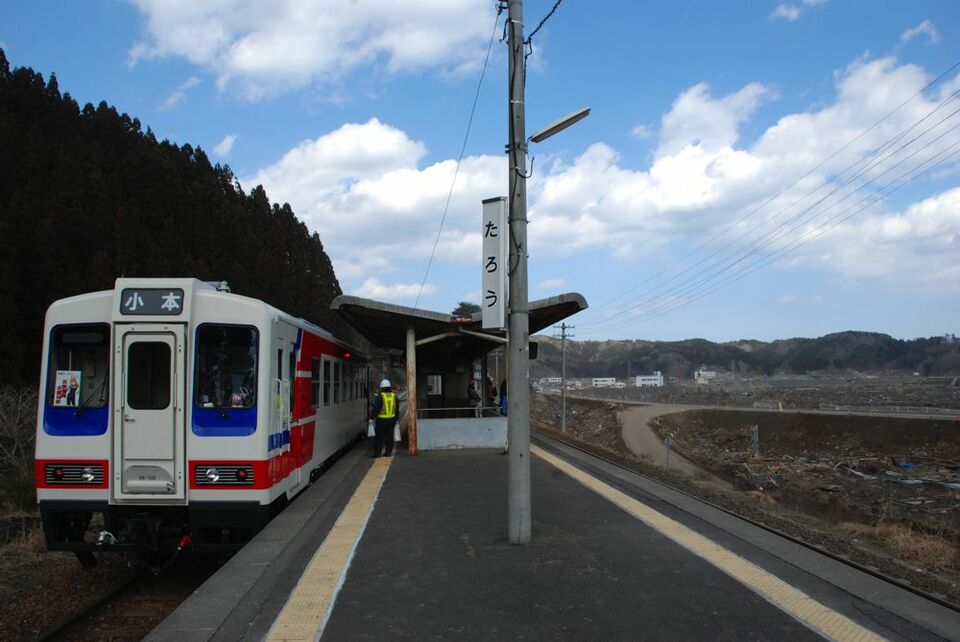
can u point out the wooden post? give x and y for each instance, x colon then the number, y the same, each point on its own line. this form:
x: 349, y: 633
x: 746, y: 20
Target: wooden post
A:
x: 411, y: 390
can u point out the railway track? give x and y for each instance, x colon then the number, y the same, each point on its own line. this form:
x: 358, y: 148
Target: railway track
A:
x: 130, y: 609
x: 550, y: 441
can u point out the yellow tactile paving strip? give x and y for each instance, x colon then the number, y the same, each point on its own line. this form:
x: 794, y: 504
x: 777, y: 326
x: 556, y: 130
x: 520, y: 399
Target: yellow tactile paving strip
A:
x: 309, y: 606
x: 796, y: 603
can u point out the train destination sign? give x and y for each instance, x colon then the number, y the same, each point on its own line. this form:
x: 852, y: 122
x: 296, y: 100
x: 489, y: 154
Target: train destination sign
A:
x: 151, y: 301
x: 494, y: 233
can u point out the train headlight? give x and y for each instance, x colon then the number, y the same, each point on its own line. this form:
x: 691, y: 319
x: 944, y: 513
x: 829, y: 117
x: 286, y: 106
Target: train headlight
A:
x: 87, y: 474
x: 212, y: 475
x: 242, y: 474
x: 58, y: 474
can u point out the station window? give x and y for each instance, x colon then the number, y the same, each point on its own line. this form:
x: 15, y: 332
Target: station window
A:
x: 336, y: 382
x: 148, y: 375
x: 79, y: 370
x: 315, y: 382
x: 226, y: 366
x: 326, y: 382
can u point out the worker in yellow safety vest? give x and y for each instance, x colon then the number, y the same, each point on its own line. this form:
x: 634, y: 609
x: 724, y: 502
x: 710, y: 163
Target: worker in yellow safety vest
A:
x: 385, y: 414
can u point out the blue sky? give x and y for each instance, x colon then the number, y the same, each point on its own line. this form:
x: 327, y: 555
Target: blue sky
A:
x: 730, y: 182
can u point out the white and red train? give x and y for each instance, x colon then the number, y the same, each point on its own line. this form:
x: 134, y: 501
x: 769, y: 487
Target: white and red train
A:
x: 174, y: 408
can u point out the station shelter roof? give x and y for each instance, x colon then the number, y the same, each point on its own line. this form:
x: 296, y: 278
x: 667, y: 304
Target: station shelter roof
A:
x: 458, y: 338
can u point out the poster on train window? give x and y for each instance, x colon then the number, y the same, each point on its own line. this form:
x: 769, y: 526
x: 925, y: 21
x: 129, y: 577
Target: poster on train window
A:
x: 67, y: 391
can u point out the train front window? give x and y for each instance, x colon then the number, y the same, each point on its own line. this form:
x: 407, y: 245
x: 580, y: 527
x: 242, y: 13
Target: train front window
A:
x: 226, y: 366
x: 79, y: 368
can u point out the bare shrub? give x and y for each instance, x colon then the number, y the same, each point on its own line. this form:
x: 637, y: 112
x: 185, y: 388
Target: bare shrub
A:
x: 18, y: 418
x: 18, y: 421
x: 31, y: 542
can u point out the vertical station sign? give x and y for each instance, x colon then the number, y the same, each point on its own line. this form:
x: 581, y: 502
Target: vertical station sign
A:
x: 495, y: 234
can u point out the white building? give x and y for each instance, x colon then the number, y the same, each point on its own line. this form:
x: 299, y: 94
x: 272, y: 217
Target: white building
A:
x: 603, y: 382
x: 655, y: 380
x: 702, y: 375
x: 550, y: 380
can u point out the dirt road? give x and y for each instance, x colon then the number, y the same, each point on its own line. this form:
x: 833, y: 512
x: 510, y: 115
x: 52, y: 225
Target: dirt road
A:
x: 642, y: 440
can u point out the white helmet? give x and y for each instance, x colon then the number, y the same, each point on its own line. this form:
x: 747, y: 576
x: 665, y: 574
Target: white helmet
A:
x: 385, y: 383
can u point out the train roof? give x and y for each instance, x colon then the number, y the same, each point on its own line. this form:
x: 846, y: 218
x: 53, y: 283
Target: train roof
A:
x: 172, y: 299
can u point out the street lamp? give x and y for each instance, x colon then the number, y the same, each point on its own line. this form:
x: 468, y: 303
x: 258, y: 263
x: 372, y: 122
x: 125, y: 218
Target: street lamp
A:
x: 560, y: 124
x: 519, y: 518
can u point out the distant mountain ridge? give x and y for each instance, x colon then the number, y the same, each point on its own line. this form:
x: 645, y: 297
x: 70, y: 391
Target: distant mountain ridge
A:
x: 865, y: 352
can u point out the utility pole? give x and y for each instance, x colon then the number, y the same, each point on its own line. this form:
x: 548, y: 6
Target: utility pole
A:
x: 563, y: 374
x: 519, y: 517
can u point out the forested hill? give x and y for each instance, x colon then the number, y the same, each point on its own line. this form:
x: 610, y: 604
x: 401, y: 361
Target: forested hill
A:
x: 86, y: 195
x: 866, y: 352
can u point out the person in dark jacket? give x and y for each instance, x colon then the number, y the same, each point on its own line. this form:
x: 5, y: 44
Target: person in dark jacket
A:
x: 385, y: 417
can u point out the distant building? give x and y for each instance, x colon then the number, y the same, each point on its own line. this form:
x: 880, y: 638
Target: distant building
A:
x: 949, y: 338
x: 603, y: 382
x: 545, y: 381
x: 654, y: 380
x: 619, y: 384
x: 702, y: 375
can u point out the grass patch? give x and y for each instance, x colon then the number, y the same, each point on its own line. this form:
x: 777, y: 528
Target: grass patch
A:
x: 928, y: 551
x: 31, y: 543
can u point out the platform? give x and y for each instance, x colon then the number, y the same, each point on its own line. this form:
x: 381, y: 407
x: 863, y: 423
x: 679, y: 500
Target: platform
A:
x: 614, y: 556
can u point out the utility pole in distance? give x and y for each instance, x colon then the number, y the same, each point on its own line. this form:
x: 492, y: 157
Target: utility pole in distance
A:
x: 563, y: 374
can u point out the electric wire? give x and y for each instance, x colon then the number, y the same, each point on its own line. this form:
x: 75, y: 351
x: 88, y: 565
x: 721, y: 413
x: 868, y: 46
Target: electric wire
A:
x: 542, y: 22
x: 793, y: 221
x: 733, y: 278
x: 655, y: 306
x: 712, y: 239
x: 463, y: 149
x: 667, y: 306
x: 849, y: 179
x: 869, y: 162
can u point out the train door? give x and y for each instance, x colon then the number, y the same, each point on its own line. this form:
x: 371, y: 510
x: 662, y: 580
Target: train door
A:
x: 150, y: 386
x: 293, y: 441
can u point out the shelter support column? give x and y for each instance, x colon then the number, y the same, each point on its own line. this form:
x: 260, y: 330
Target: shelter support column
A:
x: 411, y: 390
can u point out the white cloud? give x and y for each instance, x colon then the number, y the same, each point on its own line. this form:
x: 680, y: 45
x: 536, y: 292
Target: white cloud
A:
x: 786, y: 11
x: 178, y: 95
x: 361, y: 187
x: 264, y: 47
x: 224, y: 146
x: 791, y: 12
x: 364, y: 187
x: 373, y: 288
x: 551, y: 284
x: 642, y: 132
x: 925, y: 28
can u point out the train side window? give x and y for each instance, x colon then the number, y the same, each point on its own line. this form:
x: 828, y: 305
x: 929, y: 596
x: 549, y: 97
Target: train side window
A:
x: 315, y: 382
x: 79, y: 370
x: 326, y: 382
x: 336, y: 382
x: 226, y: 366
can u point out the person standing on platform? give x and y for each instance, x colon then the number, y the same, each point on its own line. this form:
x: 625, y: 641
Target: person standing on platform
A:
x: 473, y: 397
x: 385, y: 412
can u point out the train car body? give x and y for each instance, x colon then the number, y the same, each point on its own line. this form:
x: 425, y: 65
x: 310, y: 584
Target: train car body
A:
x: 172, y: 407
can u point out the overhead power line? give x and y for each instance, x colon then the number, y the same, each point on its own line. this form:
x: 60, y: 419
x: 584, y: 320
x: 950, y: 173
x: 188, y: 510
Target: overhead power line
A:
x: 542, y: 22
x: 690, y: 295
x: 715, y: 238
x: 754, y: 245
x: 463, y: 149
